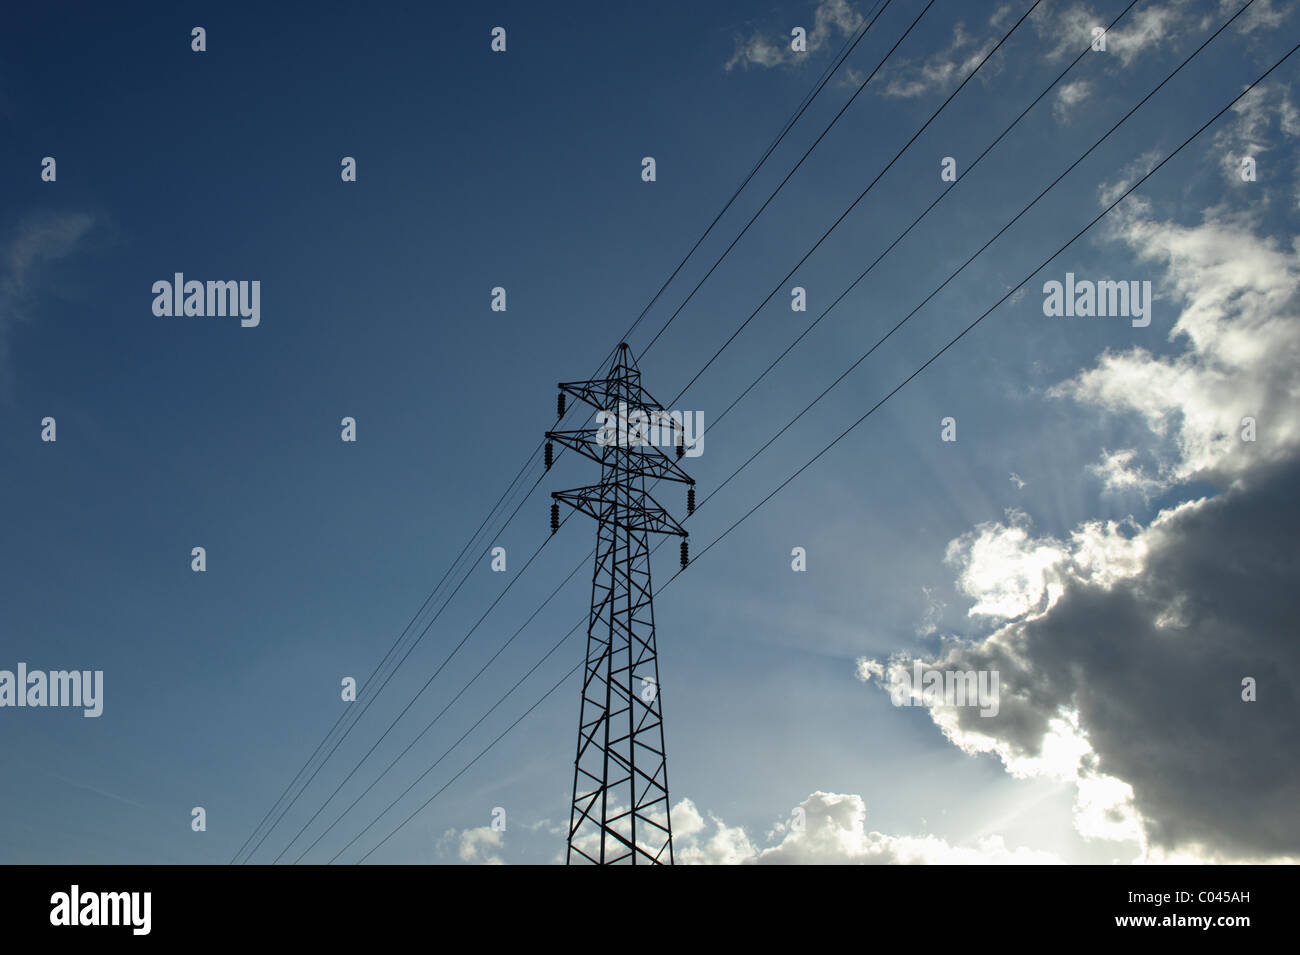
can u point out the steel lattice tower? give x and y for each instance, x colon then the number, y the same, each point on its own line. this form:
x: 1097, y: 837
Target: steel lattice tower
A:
x: 620, y: 809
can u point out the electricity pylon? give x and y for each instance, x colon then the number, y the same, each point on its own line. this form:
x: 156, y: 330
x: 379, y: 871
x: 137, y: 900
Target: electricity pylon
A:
x: 620, y: 807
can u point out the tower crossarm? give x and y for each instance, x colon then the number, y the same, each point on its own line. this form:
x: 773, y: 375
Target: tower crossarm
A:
x: 600, y: 501
x: 605, y: 393
x: 582, y: 440
x: 649, y: 460
x: 620, y: 812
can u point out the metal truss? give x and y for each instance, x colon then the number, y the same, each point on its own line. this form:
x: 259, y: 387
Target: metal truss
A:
x: 620, y: 811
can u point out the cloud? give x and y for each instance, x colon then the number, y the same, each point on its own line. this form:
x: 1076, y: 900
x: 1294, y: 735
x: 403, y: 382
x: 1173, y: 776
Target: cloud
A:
x: 712, y: 842
x: 1128, y: 173
x: 934, y: 608
x: 1068, y: 97
x: 478, y: 846
x: 1129, y: 681
x: 825, y: 829
x: 1238, y: 294
x: 1149, y: 26
x: 1069, y: 30
x: 1262, y: 15
x: 36, y: 242
x: 1149, y: 29
x: 1003, y: 570
x: 943, y: 70
x: 1119, y: 475
x: 831, y: 831
x: 1122, y: 648
x: 1260, y: 123
x: 831, y: 17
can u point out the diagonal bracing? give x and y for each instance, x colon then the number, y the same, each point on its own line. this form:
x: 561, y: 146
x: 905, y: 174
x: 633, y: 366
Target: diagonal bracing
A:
x: 620, y: 810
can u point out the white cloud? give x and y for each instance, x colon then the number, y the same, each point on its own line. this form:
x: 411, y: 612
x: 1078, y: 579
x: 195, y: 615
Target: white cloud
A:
x: 1069, y: 30
x: 1119, y: 475
x: 1066, y: 29
x: 1121, y: 648
x: 830, y: 18
x: 1149, y: 26
x: 1260, y: 123
x: 1068, y: 96
x: 833, y: 832
x: 1238, y: 318
x: 478, y: 846
x: 944, y: 69
x: 1262, y: 15
x: 1005, y: 575
x: 933, y: 612
x: 712, y: 842
x: 1149, y: 29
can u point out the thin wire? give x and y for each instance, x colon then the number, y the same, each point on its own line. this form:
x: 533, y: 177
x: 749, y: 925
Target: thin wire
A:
x: 572, y: 572
x: 843, y: 109
x: 848, y: 47
x: 859, y: 421
x: 844, y: 215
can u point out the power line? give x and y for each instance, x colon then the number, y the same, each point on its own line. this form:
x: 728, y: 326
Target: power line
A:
x: 843, y: 109
x: 369, y: 700
x: 873, y: 183
x: 428, y: 727
x: 990, y: 309
x: 481, y: 754
x: 868, y: 413
x: 917, y: 221
x: 849, y: 45
x: 854, y: 204
x: 405, y: 630
x: 752, y: 219
x: 974, y: 255
x: 937, y: 289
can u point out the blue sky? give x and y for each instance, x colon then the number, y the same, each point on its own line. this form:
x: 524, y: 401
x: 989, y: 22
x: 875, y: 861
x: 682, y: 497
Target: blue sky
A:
x: 1090, y: 454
